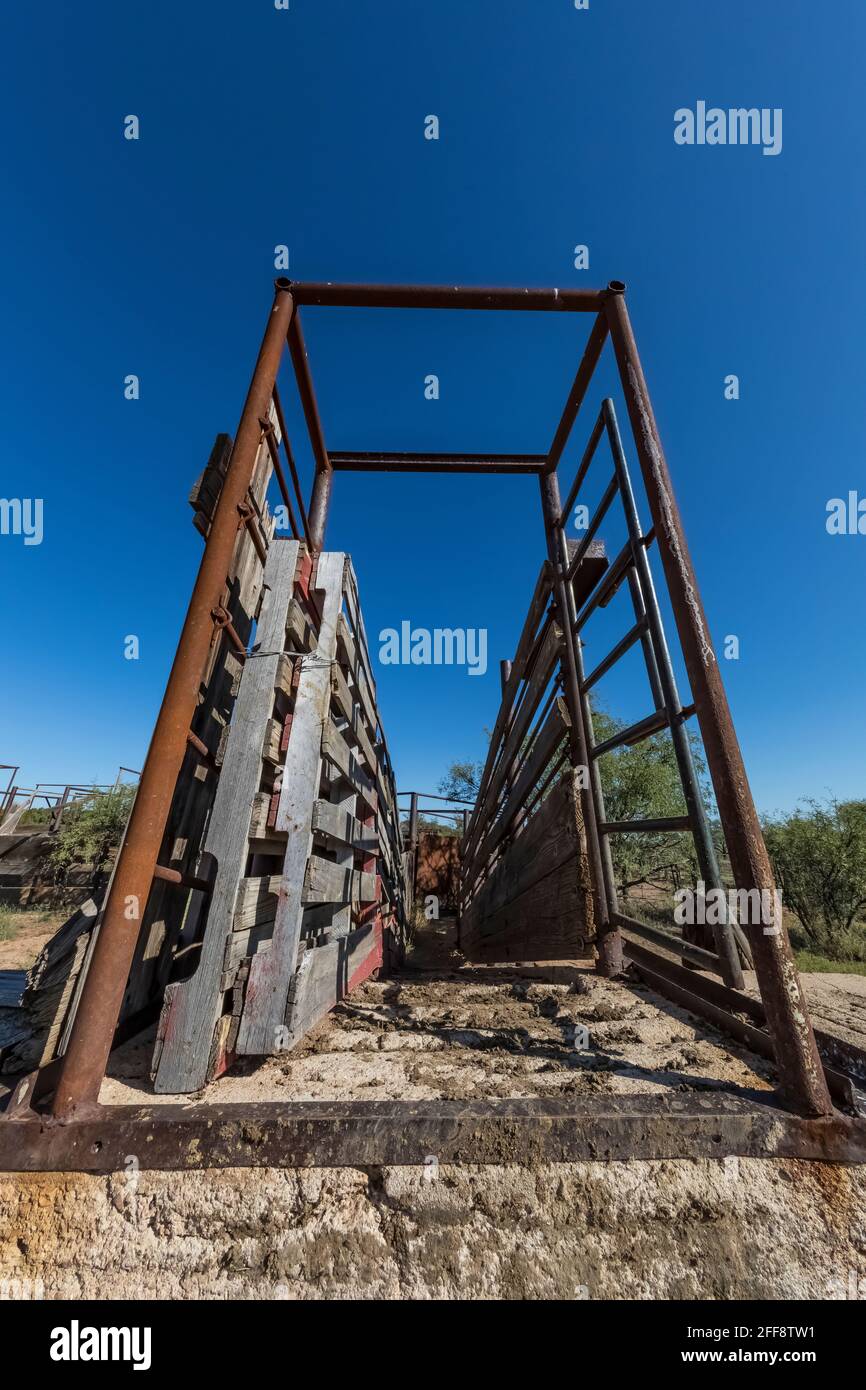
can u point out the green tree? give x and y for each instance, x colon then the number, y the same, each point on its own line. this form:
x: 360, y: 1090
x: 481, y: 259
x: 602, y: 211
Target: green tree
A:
x: 641, y: 783
x: 638, y: 783
x: 461, y: 781
x: 819, y: 859
x: 91, y: 831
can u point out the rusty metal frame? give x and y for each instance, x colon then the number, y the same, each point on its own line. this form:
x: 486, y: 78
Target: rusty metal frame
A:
x: 78, y: 1133
x: 324, y: 1134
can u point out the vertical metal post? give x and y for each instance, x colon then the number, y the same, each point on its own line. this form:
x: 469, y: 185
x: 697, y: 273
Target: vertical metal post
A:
x: 57, y: 815
x: 647, y: 604
x: 320, y: 505
x: 83, y: 1064
x: 799, y: 1066
x: 320, y: 499
x: 609, y: 941
x: 413, y: 820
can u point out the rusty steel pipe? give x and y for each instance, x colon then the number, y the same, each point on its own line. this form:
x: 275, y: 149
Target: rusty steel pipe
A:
x: 278, y: 407
x: 588, y: 364
x: 83, y: 1064
x: 609, y: 941
x: 800, y: 1073
x: 322, y: 483
x: 445, y: 297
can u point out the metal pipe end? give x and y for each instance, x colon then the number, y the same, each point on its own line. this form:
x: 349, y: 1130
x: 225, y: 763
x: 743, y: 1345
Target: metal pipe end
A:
x: 282, y: 282
x: 616, y: 287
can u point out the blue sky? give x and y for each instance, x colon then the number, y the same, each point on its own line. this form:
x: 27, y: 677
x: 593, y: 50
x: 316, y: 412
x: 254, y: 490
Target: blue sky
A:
x: 261, y: 127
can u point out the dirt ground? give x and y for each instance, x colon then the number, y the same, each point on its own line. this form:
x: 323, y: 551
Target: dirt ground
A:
x: 443, y: 1028
x: 704, y: 1229
x: 29, y: 930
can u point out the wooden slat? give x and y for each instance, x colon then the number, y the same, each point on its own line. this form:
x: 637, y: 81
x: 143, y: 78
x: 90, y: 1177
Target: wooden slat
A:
x: 547, y: 741
x: 550, y: 921
x: 348, y: 654
x: 354, y: 611
x: 547, y: 840
x: 271, y: 972
x: 194, y: 1006
x: 336, y: 750
x: 168, y: 910
x: 545, y: 665
x: 325, y: 882
x: 329, y: 819
x: 524, y: 647
x: 327, y: 974
x: 352, y: 712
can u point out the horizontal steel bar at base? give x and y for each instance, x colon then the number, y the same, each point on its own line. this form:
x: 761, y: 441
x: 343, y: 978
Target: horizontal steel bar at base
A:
x: 371, y: 1133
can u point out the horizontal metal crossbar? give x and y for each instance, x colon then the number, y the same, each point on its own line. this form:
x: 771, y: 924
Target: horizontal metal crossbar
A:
x: 625, y: 644
x: 368, y: 1133
x: 652, y: 825
x: 634, y: 733
x: 696, y: 954
x: 356, y: 462
x: 443, y: 297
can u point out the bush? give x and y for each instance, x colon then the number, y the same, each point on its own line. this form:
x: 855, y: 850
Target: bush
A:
x: 819, y: 859
x: 91, y: 831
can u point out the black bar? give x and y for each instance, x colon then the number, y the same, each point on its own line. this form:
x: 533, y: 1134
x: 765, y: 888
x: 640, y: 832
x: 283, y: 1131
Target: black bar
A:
x: 588, y: 455
x: 613, y: 656
x: 653, y: 824
x: 356, y: 462
x: 696, y: 954
x: 603, y: 506
x: 634, y: 733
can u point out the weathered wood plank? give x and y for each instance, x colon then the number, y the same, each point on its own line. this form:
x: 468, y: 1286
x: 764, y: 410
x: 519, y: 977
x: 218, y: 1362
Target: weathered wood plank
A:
x: 524, y: 647
x: 543, y: 668
x: 352, y: 712
x: 327, y: 974
x: 549, y: 838
x: 348, y: 655
x: 195, y: 1005
x: 271, y: 972
x: 547, y: 922
x: 325, y: 882
x: 538, y: 760
x: 340, y: 825
x: 336, y: 750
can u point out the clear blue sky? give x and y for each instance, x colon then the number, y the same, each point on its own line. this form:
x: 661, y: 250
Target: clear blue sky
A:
x: 305, y: 127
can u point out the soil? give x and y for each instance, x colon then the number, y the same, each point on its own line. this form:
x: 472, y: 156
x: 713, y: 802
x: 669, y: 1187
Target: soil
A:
x: 442, y: 1028
x: 32, y: 930
x: 673, y: 1229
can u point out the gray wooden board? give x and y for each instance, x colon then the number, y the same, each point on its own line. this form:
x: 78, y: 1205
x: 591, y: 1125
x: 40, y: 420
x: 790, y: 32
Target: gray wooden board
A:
x: 546, y: 841
x: 325, y: 882
x: 338, y: 824
x: 194, y: 1005
x: 352, y: 712
x: 336, y: 750
x: 271, y: 971
x: 524, y: 646
x: 169, y: 910
x: 538, y: 759
x: 535, y: 688
x: 348, y: 653
x: 322, y: 980
x: 549, y: 921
